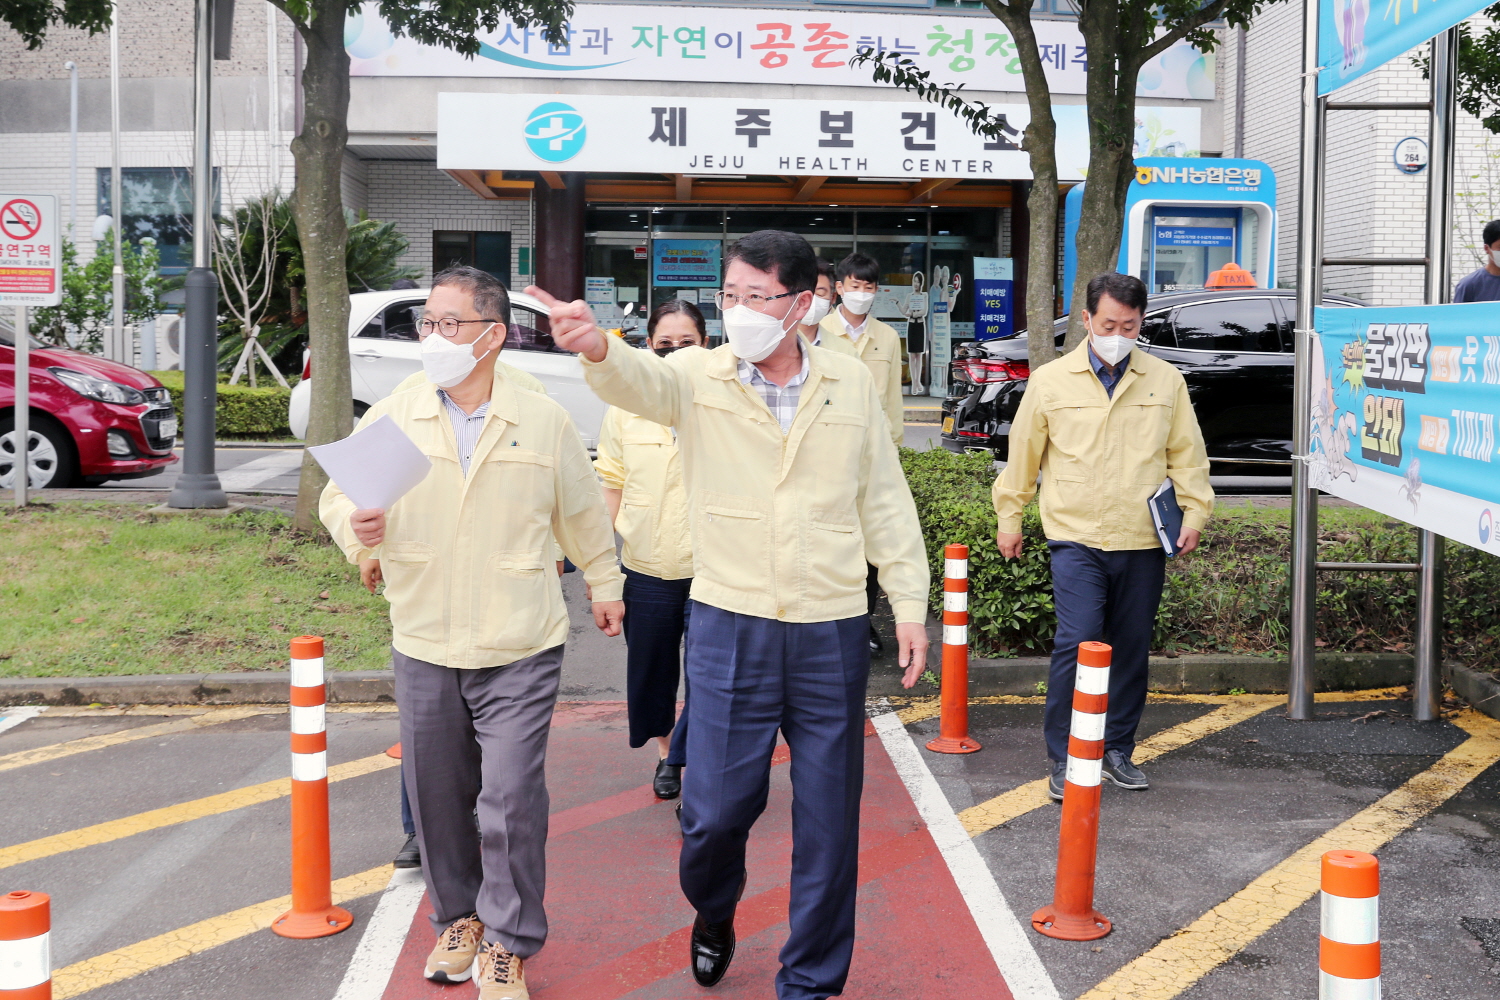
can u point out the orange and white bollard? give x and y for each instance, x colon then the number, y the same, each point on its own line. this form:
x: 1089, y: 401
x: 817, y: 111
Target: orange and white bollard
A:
x: 25, y: 946
x: 1349, y: 946
x: 1072, y: 916
x: 953, y: 725
x: 312, y: 914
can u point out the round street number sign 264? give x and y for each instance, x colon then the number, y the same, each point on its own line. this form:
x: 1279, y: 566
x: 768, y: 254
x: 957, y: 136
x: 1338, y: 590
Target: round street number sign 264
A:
x: 30, y: 255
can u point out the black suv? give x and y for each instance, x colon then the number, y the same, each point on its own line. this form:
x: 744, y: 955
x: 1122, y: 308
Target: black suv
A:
x: 1233, y: 347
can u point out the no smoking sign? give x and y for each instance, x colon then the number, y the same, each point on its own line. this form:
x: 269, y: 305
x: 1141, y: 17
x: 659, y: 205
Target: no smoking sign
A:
x: 30, y: 254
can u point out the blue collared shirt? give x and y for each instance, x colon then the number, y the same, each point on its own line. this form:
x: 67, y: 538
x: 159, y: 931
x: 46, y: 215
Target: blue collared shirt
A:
x: 1109, y: 377
x: 466, y: 427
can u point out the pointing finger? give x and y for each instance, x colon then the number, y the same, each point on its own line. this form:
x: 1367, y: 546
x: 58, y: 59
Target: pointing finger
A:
x: 543, y: 296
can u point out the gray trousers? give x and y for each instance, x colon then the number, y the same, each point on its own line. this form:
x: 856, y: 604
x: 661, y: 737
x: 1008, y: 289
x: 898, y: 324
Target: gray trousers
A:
x: 479, y: 738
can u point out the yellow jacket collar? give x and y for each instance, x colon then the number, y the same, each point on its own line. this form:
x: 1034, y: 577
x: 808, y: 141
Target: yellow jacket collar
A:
x: 502, y: 401
x: 1078, y: 359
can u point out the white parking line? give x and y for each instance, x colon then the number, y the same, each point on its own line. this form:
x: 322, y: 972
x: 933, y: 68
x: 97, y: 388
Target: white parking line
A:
x: 369, y: 971
x: 1014, y: 956
x: 260, y: 470
x: 13, y: 717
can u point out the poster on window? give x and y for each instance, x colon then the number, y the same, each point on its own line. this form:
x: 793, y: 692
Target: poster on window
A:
x: 763, y: 45
x: 687, y: 263
x: 1403, y: 414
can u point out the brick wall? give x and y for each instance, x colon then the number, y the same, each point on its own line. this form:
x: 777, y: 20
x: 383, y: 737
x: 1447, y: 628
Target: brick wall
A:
x: 419, y: 198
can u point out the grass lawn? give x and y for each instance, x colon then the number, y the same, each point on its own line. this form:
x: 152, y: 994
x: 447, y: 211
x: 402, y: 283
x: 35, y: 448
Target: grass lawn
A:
x: 90, y: 589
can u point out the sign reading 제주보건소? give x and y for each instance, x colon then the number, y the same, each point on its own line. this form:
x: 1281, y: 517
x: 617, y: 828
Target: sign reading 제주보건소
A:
x: 723, y: 135
x: 30, y: 254
x: 732, y: 44
x: 1403, y: 414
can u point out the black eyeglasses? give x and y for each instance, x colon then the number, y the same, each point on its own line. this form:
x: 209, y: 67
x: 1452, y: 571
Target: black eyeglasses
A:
x: 447, y: 326
x: 728, y: 300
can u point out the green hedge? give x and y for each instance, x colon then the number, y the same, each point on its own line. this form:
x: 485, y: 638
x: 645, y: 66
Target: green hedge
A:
x: 242, y: 412
x: 1232, y: 595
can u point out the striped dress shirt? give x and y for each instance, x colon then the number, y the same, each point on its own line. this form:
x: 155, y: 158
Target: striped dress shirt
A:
x: 466, y: 427
x: 780, y: 400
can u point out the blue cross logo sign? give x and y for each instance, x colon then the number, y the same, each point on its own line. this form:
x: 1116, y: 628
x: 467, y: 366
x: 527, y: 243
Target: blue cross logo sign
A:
x: 555, y: 132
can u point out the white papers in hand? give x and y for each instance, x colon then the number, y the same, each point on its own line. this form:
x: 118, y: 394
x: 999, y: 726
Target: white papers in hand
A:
x: 374, y: 467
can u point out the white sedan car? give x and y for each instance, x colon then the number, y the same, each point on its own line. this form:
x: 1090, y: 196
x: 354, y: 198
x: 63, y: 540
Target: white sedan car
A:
x: 384, y: 350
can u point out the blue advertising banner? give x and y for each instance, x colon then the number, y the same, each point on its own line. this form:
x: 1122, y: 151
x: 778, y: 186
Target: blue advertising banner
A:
x: 993, y: 291
x: 1403, y: 414
x: 686, y: 263
x: 1194, y: 236
x: 1351, y: 42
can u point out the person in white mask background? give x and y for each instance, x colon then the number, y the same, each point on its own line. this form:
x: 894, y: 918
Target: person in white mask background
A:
x: 822, y: 304
x: 478, y: 622
x: 1483, y: 285
x: 1103, y: 424
x: 792, y: 487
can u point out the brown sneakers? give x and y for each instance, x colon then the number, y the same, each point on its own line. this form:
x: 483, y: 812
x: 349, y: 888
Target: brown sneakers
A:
x: 452, y: 958
x: 499, y: 974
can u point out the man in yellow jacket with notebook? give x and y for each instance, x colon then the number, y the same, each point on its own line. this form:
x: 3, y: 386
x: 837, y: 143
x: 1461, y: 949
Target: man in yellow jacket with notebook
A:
x: 1105, y: 425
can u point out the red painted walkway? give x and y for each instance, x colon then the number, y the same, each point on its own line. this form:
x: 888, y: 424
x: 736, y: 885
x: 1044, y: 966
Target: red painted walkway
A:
x: 619, y: 924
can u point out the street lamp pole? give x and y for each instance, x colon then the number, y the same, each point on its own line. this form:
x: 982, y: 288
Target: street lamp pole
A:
x: 115, y: 349
x: 198, y: 486
x: 72, y: 68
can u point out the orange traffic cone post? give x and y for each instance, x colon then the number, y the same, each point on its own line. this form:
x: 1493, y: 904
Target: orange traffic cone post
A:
x: 1349, y: 946
x: 1072, y: 916
x: 25, y: 946
x: 953, y: 725
x: 312, y: 914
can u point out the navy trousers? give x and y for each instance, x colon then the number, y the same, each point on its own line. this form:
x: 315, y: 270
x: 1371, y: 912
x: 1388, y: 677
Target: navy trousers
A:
x: 750, y: 677
x: 1102, y: 597
x: 656, y: 616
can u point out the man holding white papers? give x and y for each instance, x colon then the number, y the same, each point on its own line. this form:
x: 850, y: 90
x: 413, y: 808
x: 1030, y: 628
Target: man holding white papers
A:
x: 479, y: 623
x: 1105, y: 425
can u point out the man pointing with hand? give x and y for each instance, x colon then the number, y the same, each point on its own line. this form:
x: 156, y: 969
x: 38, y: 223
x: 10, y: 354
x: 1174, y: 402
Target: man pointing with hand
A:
x: 793, y: 487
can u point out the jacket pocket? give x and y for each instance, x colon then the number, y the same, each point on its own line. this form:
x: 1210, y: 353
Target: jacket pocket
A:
x: 732, y: 541
x: 415, y: 589
x: 517, y: 605
x: 835, y: 553
x: 635, y: 524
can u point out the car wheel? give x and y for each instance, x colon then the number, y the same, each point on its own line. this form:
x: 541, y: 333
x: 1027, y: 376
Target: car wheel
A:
x: 360, y: 409
x: 50, y: 455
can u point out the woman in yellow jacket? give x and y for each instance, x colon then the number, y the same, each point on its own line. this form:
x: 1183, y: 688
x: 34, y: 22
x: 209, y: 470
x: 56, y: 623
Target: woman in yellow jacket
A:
x: 642, y: 475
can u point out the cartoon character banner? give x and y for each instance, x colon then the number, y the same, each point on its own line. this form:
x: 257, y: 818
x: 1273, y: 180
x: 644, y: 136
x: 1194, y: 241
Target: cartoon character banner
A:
x: 734, y: 44
x: 1354, y: 39
x: 1403, y: 414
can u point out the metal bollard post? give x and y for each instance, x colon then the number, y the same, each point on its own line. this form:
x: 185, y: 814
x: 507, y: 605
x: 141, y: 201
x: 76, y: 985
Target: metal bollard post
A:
x: 25, y: 946
x: 953, y: 726
x: 1072, y: 916
x: 1349, y: 945
x: 312, y: 914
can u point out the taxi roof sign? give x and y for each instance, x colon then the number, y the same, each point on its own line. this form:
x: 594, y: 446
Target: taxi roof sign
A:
x: 1231, y: 275
x: 30, y: 252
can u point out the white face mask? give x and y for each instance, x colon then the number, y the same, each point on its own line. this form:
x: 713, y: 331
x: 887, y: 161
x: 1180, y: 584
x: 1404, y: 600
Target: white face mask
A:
x: 816, y: 311
x: 447, y: 363
x: 858, y: 303
x: 752, y: 335
x: 1110, y: 349
x: 1495, y: 256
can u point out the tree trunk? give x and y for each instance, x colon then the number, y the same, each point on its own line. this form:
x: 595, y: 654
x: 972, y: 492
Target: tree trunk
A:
x: 318, y: 205
x: 1040, y: 144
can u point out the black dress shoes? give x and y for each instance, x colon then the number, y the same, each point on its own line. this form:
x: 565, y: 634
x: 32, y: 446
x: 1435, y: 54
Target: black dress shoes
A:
x: 668, y: 781
x: 877, y: 645
x: 410, y: 855
x: 712, y: 949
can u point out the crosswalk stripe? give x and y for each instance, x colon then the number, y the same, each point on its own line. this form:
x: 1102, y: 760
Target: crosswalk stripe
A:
x: 259, y: 470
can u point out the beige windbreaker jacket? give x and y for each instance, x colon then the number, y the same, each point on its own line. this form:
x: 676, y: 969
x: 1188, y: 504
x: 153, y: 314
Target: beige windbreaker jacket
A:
x: 468, y: 561
x: 1102, y: 458
x: 639, y: 458
x: 880, y: 350
x: 782, y: 525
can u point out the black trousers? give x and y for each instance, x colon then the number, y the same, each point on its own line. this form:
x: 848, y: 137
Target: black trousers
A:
x: 656, y: 617
x: 1102, y: 597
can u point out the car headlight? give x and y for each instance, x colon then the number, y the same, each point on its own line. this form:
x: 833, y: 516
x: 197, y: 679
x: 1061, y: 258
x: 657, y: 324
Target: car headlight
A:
x: 97, y: 388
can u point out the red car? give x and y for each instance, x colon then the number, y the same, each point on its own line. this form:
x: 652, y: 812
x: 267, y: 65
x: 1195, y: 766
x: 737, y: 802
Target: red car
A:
x: 91, y: 419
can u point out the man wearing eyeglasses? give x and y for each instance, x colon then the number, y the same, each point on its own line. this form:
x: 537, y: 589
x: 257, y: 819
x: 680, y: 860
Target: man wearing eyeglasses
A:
x: 478, y: 622
x: 792, y: 487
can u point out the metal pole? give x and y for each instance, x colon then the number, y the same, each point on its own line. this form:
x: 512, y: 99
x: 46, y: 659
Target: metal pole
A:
x: 21, y: 470
x: 72, y: 69
x: 115, y: 349
x: 1309, y: 286
x: 198, y: 486
x: 1427, y: 679
x: 273, y: 102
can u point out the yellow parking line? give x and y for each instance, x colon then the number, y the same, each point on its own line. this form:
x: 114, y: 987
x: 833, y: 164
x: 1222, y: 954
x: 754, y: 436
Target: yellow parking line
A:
x: 56, y: 751
x: 1023, y: 799
x: 1179, y: 961
x: 164, y: 949
x: 183, y: 812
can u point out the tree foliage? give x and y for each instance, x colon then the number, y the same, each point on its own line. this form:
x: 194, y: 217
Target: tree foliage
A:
x: 1479, y: 70
x: 31, y: 18
x: 87, y: 307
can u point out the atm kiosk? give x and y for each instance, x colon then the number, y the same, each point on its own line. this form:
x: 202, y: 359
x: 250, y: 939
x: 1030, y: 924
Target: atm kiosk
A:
x: 1185, y: 218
